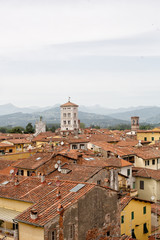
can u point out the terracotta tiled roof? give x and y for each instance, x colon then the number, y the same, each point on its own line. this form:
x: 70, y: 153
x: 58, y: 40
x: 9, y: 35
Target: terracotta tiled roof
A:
x: 127, y: 143
x: 105, y: 162
x: 75, y: 153
x: 17, y: 141
x: 43, y: 196
x: 154, y: 236
x: 76, y: 172
x: 34, y: 161
x: 148, y: 131
x: 44, y: 135
x: 5, y: 163
x: 69, y: 104
x: 148, y: 152
x: 78, y: 140
x: 121, y: 151
x: 124, y: 201
x: 147, y: 173
x: 6, y: 144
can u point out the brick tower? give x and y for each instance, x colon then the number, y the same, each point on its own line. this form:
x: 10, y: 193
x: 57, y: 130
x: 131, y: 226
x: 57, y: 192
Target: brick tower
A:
x: 134, y: 123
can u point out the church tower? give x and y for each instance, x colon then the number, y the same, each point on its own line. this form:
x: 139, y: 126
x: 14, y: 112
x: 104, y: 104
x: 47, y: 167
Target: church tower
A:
x: 134, y: 123
x: 69, y: 117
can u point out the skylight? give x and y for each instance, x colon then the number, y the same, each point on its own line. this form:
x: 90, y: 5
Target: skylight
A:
x: 5, y: 182
x: 77, y: 187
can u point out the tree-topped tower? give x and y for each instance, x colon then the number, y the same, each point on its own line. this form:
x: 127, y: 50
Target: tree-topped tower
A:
x: 69, y: 117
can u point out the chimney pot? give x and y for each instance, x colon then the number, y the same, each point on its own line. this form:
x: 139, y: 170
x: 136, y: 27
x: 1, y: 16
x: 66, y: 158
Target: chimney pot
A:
x: 42, y: 178
x: 60, y: 208
x: 33, y: 214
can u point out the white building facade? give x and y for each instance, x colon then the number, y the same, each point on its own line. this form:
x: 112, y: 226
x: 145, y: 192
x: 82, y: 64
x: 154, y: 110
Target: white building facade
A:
x: 69, y: 117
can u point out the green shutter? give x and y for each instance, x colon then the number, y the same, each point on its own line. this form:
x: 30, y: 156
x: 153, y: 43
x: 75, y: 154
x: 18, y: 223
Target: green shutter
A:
x: 122, y: 219
x: 144, y: 210
x: 132, y: 215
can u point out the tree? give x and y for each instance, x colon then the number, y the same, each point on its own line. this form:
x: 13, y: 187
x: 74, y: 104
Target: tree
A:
x: 29, y: 128
x: 17, y: 130
x: 3, y: 129
x: 82, y: 125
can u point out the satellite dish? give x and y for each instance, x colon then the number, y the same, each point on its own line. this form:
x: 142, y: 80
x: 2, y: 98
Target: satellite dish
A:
x: 62, y: 143
x: 152, y: 198
x: 59, y: 162
x: 11, y: 171
x: 56, y: 165
x: 59, y: 169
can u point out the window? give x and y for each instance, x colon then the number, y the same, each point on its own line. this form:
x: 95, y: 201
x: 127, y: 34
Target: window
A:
x: 64, y: 114
x: 82, y: 146
x: 145, y: 138
x: 147, y: 163
x: 71, y: 231
x: 69, y: 122
x: 74, y: 121
x: 152, y: 138
x: 142, y: 185
x: 53, y: 235
x: 69, y: 115
x: 153, y: 162
x: 74, y: 146
x: 28, y: 173
x: 158, y: 160
x: 128, y: 172
x: 122, y: 219
x: 132, y: 215
x: 20, y: 172
x: 134, y: 185
x: 145, y: 230
x: 10, y: 150
x: 144, y: 210
x: 74, y: 114
x: 98, y: 182
x: 108, y: 233
x: 64, y: 122
x: 15, y: 226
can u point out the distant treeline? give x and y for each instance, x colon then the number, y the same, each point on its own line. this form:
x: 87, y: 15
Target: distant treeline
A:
x: 28, y: 129
x: 128, y: 126
x: 52, y: 127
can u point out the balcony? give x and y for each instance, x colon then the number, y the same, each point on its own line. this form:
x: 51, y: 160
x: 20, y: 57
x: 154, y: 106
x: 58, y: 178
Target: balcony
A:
x: 9, y: 233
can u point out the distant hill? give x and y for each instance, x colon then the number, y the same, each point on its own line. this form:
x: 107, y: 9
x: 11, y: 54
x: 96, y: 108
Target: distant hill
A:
x: 53, y: 116
x: 96, y: 115
x: 10, y: 108
x: 148, y: 115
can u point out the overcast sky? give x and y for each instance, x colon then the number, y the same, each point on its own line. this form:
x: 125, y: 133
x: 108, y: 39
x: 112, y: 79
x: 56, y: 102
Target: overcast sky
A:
x: 104, y: 52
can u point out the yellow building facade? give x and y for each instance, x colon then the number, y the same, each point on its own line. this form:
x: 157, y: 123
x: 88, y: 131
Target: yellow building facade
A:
x: 136, y: 218
x: 32, y: 232
x: 149, y: 135
x: 9, y: 209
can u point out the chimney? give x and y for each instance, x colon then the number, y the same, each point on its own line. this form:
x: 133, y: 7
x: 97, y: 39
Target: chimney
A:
x: 33, y: 214
x: 58, y: 194
x: 16, y: 181
x: 42, y: 178
x: 60, y: 208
